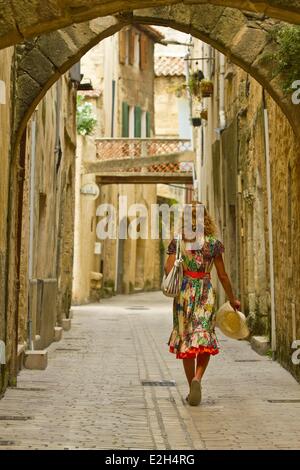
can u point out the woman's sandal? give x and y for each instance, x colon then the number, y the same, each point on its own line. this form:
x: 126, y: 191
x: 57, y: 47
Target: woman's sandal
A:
x: 194, y: 397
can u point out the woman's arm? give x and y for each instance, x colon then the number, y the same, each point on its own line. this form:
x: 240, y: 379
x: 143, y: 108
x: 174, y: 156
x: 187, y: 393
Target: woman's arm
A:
x: 225, y: 281
x: 170, y: 263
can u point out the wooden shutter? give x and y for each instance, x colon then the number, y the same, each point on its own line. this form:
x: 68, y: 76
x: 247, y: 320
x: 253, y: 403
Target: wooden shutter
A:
x: 131, y: 46
x: 122, y: 46
x: 137, y: 121
x: 148, y: 124
x: 125, y: 119
x: 144, y: 51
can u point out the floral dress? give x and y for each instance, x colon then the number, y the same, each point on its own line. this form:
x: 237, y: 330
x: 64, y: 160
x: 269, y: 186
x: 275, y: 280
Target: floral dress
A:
x: 194, y: 307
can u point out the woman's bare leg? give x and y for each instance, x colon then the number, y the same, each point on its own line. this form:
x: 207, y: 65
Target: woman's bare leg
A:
x: 189, y: 368
x: 201, y: 364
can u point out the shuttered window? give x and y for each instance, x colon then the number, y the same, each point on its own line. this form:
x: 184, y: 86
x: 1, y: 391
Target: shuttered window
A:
x: 148, y: 124
x: 137, y: 121
x: 144, y: 52
x: 131, y: 46
x: 125, y: 119
x: 122, y: 46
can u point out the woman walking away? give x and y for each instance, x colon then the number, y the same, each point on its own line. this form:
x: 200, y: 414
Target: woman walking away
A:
x: 193, y: 338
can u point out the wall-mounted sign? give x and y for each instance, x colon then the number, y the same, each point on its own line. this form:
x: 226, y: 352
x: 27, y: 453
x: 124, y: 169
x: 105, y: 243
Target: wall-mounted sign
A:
x: 90, y: 190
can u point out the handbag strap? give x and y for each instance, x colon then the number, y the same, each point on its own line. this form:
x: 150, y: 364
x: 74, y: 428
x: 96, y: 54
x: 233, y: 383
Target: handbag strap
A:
x: 178, y: 250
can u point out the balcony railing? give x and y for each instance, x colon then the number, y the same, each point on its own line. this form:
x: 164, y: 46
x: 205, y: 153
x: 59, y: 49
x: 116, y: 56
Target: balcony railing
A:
x: 114, y: 149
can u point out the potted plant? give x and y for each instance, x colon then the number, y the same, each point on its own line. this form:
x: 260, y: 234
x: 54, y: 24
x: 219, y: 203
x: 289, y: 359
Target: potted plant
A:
x: 206, y: 88
x: 194, y: 82
x: 204, y: 114
x: 196, y: 121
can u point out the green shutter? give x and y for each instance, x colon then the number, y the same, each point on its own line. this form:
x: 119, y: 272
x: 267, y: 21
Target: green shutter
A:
x: 148, y: 124
x: 137, y: 121
x: 125, y: 119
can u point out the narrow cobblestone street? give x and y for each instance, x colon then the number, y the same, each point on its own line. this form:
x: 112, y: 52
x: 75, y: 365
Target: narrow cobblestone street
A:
x: 91, y: 395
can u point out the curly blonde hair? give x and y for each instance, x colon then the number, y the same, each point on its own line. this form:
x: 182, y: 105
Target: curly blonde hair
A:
x: 209, y: 224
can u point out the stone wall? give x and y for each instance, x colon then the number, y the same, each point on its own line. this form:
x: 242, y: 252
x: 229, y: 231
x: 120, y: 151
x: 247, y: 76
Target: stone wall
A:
x: 51, y: 135
x: 234, y: 187
x: 6, y: 64
x: 22, y: 21
x: 285, y: 173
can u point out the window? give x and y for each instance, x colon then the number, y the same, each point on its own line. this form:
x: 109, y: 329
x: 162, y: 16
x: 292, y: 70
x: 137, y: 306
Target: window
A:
x: 137, y: 55
x: 131, y: 44
x: 127, y: 47
x: 127, y: 42
x: 144, y: 124
x: 148, y: 124
x: 137, y: 121
x: 131, y: 122
x: 133, y: 48
x: 125, y: 119
x: 144, y: 51
x: 123, y: 46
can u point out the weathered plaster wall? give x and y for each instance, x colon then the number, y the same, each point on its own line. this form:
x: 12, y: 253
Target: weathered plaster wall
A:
x: 85, y: 225
x: 285, y: 171
x: 6, y: 62
x: 235, y: 188
x: 166, y: 105
x: 54, y: 146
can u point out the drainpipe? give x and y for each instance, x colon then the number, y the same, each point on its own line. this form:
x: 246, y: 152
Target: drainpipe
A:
x: 31, y: 224
x: 198, y: 163
x: 270, y: 224
x: 222, y: 119
x: 187, y: 77
x: 113, y: 95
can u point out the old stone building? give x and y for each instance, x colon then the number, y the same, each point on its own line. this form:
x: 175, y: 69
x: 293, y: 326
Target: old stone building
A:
x: 125, y: 98
x: 126, y: 85
x: 237, y: 147
x: 45, y: 237
x: 172, y: 119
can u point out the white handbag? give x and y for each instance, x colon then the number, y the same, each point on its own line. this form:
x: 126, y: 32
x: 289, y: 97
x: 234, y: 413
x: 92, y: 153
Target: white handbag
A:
x: 171, y: 282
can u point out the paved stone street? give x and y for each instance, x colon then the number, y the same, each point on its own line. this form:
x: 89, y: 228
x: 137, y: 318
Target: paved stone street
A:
x: 91, y: 395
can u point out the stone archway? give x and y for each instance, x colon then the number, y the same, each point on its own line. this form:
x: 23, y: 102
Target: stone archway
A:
x: 21, y: 19
x: 43, y: 60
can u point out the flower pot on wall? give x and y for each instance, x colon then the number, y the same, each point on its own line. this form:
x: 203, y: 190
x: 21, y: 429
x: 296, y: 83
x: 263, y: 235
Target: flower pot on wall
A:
x: 195, y: 82
x: 204, y: 114
x: 196, y: 122
x: 206, y: 88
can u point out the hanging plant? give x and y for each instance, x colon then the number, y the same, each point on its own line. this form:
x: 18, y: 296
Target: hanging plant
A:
x: 194, y: 83
x: 206, y: 88
x: 196, y: 121
x: 286, y: 57
x: 204, y: 114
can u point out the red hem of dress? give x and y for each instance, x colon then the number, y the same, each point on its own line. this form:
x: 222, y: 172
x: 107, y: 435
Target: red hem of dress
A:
x: 193, y: 352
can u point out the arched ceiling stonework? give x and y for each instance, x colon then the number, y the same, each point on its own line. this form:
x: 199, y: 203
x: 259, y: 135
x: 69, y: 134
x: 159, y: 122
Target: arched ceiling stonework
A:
x: 43, y: 60
x: 23, y: 19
